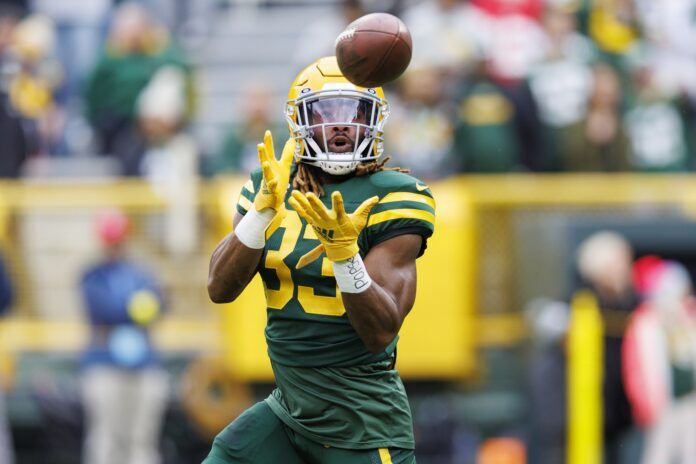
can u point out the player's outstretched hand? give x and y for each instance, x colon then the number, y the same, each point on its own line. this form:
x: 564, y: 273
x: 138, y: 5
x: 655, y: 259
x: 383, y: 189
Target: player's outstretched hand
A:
x: 276, y: 174
x: 336, y: 230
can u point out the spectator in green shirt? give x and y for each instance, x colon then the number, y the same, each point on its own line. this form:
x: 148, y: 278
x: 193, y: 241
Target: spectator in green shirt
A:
x: 136, y: 48
x: 599, y: 142
x: 497, y: 128
x: 655, y: 127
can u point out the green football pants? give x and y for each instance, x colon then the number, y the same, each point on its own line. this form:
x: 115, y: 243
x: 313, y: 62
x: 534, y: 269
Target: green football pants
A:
x: 259, y: 437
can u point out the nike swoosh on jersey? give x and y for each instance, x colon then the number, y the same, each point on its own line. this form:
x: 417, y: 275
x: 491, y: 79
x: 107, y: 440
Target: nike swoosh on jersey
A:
x: 420, y: 187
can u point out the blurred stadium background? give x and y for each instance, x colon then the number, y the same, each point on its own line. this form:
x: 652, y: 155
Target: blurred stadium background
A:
x: 538, y: 125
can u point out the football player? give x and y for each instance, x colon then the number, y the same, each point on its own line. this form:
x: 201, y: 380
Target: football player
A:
x: 334, y: 235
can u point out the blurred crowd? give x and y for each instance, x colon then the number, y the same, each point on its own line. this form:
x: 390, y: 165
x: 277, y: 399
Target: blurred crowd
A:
x: 97, y: 78
x: 556, y: 85
x: 494, y: 86
x: 499, y: 86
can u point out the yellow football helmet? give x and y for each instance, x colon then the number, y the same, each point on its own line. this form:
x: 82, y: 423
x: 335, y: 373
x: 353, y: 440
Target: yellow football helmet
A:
x: 337, y: 124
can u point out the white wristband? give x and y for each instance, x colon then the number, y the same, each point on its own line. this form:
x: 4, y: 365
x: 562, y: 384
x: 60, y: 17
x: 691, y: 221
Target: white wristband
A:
x: 251, y: 230
x: 351, y: 275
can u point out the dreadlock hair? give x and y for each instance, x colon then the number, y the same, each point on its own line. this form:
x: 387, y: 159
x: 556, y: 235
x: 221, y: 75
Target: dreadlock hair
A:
x: 306, y: 179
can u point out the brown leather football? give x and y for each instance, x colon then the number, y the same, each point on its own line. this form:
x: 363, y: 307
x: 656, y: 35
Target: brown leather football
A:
x: 374, y: 49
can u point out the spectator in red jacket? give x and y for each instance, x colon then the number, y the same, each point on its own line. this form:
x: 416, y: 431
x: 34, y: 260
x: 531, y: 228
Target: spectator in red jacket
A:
x: 659, y: 367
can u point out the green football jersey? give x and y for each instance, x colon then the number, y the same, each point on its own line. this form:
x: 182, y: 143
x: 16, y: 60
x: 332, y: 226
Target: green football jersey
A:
x: 331, y: 389
x: 307, y: 324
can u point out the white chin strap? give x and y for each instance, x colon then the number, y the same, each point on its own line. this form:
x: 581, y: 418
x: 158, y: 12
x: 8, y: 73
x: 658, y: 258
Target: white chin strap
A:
x: 332, y: 163
x: 337, y: 168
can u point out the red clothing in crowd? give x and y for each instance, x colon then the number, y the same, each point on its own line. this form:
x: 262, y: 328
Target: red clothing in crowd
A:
x: 530, y: 8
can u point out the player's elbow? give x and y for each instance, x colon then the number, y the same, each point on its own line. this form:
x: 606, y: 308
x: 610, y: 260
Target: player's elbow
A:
x: 218, y: 297
x: 219, y: 294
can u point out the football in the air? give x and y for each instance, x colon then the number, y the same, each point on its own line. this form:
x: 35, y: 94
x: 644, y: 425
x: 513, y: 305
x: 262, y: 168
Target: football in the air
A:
x: 374, y: 49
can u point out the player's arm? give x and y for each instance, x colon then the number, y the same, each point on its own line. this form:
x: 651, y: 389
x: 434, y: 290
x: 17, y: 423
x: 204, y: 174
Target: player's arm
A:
x: 377, y: 313
x: 236, y: 259
x: 232, y: 266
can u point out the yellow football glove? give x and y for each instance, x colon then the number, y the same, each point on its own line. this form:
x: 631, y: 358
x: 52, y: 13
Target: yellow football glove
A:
x: 276, y: 176
x: 336, y: 230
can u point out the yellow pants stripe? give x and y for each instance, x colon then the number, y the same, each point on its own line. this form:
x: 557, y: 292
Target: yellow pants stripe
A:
x: 384, y: 456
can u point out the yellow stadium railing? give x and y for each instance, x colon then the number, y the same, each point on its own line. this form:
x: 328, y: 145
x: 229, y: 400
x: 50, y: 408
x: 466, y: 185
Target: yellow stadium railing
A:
x: 585, y: 364
x: 447, y: 324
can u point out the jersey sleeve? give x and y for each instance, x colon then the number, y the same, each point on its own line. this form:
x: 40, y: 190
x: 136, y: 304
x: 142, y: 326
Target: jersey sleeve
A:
x: 408, y: 210
x: 248, y: 193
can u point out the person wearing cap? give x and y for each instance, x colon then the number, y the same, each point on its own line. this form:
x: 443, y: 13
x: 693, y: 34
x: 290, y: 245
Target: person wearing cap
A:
x: 124, y: 389
x: 659, y: 354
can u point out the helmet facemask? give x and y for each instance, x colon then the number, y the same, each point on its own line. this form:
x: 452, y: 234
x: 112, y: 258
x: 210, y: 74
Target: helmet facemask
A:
x: 337, y: 128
